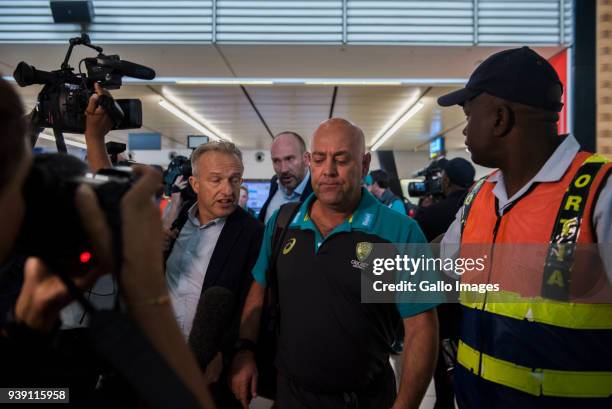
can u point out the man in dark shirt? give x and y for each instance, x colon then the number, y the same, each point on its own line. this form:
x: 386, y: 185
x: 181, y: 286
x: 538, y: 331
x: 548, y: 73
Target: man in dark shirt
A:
x: 457, y: 177
x: 434, y: 220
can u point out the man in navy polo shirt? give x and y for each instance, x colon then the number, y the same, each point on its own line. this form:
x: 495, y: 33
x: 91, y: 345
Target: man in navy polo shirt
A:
x: 333, y: 350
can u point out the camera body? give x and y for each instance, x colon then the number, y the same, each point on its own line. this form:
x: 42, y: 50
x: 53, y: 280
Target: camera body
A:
x: 432, y: 184
x: 52, y: 228
x: 63, y: 100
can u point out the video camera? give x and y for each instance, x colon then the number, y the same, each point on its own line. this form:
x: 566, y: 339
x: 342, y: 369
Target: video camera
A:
x: 179, y: 166
x: 63, y: 100
x: 52, y: 229
x: 432, y: 185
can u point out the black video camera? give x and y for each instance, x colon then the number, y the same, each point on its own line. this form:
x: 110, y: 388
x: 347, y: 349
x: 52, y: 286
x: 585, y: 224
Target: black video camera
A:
x: 52, y: 229
x: 432, y: 184
x: 63, y: 100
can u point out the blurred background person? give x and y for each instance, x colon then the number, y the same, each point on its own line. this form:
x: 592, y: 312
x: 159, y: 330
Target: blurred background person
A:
x: 377, y: 182
x: 243, y: 200
x: 435, y: 218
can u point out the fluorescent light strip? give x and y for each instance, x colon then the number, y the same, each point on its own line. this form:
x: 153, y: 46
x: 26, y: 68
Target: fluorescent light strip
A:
x: 288, y: 81
x: 189, y: 120
x: 351, y: 82
x: 400, y: 122
x: 51, y: 138
x: 224, y: 82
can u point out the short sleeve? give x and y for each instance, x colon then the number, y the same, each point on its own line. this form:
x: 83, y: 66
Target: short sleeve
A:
x: 265, y: 252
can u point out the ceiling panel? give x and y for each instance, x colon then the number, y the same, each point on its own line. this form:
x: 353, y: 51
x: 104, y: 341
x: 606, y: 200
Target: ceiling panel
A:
x: 292, y: 108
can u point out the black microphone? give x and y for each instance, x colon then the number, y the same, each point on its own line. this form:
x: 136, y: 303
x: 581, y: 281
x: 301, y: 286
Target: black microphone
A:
x: 212, y: 322
x: 135, y: 70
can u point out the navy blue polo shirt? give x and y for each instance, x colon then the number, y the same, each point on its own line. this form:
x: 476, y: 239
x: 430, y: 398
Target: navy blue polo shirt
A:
x: 329, y: 340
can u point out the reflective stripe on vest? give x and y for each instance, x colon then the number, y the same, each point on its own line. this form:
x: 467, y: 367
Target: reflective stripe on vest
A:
x: 535, y: 381
x: 561, y: 314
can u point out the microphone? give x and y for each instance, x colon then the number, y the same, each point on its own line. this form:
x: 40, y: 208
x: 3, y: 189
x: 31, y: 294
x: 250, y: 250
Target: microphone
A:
x: 136, y: 70
x: 212, y: 322
x: 128, y: 68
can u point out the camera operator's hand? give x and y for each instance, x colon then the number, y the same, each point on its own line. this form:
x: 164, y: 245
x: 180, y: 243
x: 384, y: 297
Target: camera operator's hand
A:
x: 97, y: 125
x: 179, y: 184
x: 44, y: 294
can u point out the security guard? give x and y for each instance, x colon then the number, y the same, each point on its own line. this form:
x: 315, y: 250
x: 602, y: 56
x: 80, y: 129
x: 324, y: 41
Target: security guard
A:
x: 333, y: 350
x: 534, y: 344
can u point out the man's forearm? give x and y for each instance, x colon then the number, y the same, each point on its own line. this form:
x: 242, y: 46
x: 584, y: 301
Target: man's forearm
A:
x: 96, y: 153
x: 420, y: 354
x: 251, y: 314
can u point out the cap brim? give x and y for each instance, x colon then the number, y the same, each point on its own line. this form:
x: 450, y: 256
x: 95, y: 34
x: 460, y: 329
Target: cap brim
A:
x: 457, y: 97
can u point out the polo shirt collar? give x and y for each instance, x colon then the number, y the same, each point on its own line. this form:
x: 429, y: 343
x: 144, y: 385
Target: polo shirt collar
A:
x: 362, y: 218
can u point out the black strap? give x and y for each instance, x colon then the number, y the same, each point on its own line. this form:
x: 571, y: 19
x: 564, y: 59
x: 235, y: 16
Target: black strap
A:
x: 469, y: 201
x: 560, y: 257
x: 178, y: 224
x: 285, y: 215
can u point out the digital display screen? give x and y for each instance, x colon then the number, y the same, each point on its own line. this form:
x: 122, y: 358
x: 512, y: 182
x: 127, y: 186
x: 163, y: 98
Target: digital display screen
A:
x: 436, y: 147
x: 193, y: 141
x: 150, y: 141
x: 258, y: 193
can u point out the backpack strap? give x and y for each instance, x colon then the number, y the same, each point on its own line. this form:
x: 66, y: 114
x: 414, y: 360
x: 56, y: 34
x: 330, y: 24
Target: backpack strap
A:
x: 283, y: 219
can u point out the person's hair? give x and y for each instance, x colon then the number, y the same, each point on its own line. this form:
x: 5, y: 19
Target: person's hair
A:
x: 380, y: 177
x: 246, y: 189
x: 215, y: 146
x: 12, y: 144
x: 295, y: 135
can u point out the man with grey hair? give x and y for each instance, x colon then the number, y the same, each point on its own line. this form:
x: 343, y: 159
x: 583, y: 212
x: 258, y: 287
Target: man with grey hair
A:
x: 207, y: 232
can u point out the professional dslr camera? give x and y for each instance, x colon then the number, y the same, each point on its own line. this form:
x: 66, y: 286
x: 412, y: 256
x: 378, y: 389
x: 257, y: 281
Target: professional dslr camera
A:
x: 63, y: 100
x: 52, y: 228
x: 432, y: 185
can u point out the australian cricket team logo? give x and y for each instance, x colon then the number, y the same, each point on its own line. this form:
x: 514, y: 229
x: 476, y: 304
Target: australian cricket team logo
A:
x: 362, y: 251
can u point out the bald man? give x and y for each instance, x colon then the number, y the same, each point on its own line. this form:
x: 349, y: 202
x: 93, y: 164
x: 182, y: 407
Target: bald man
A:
x: 333, y: 350
x: 291, y: 182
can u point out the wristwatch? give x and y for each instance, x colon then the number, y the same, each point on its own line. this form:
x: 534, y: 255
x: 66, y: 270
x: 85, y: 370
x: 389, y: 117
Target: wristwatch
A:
x: 244, y: 344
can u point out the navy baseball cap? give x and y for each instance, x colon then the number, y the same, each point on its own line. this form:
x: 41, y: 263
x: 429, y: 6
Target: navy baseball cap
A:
x: 460, y: 172
x: 518, y: 75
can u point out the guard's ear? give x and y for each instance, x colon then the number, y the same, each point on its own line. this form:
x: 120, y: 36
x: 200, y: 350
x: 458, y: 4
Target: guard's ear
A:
x: 504, y: 120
